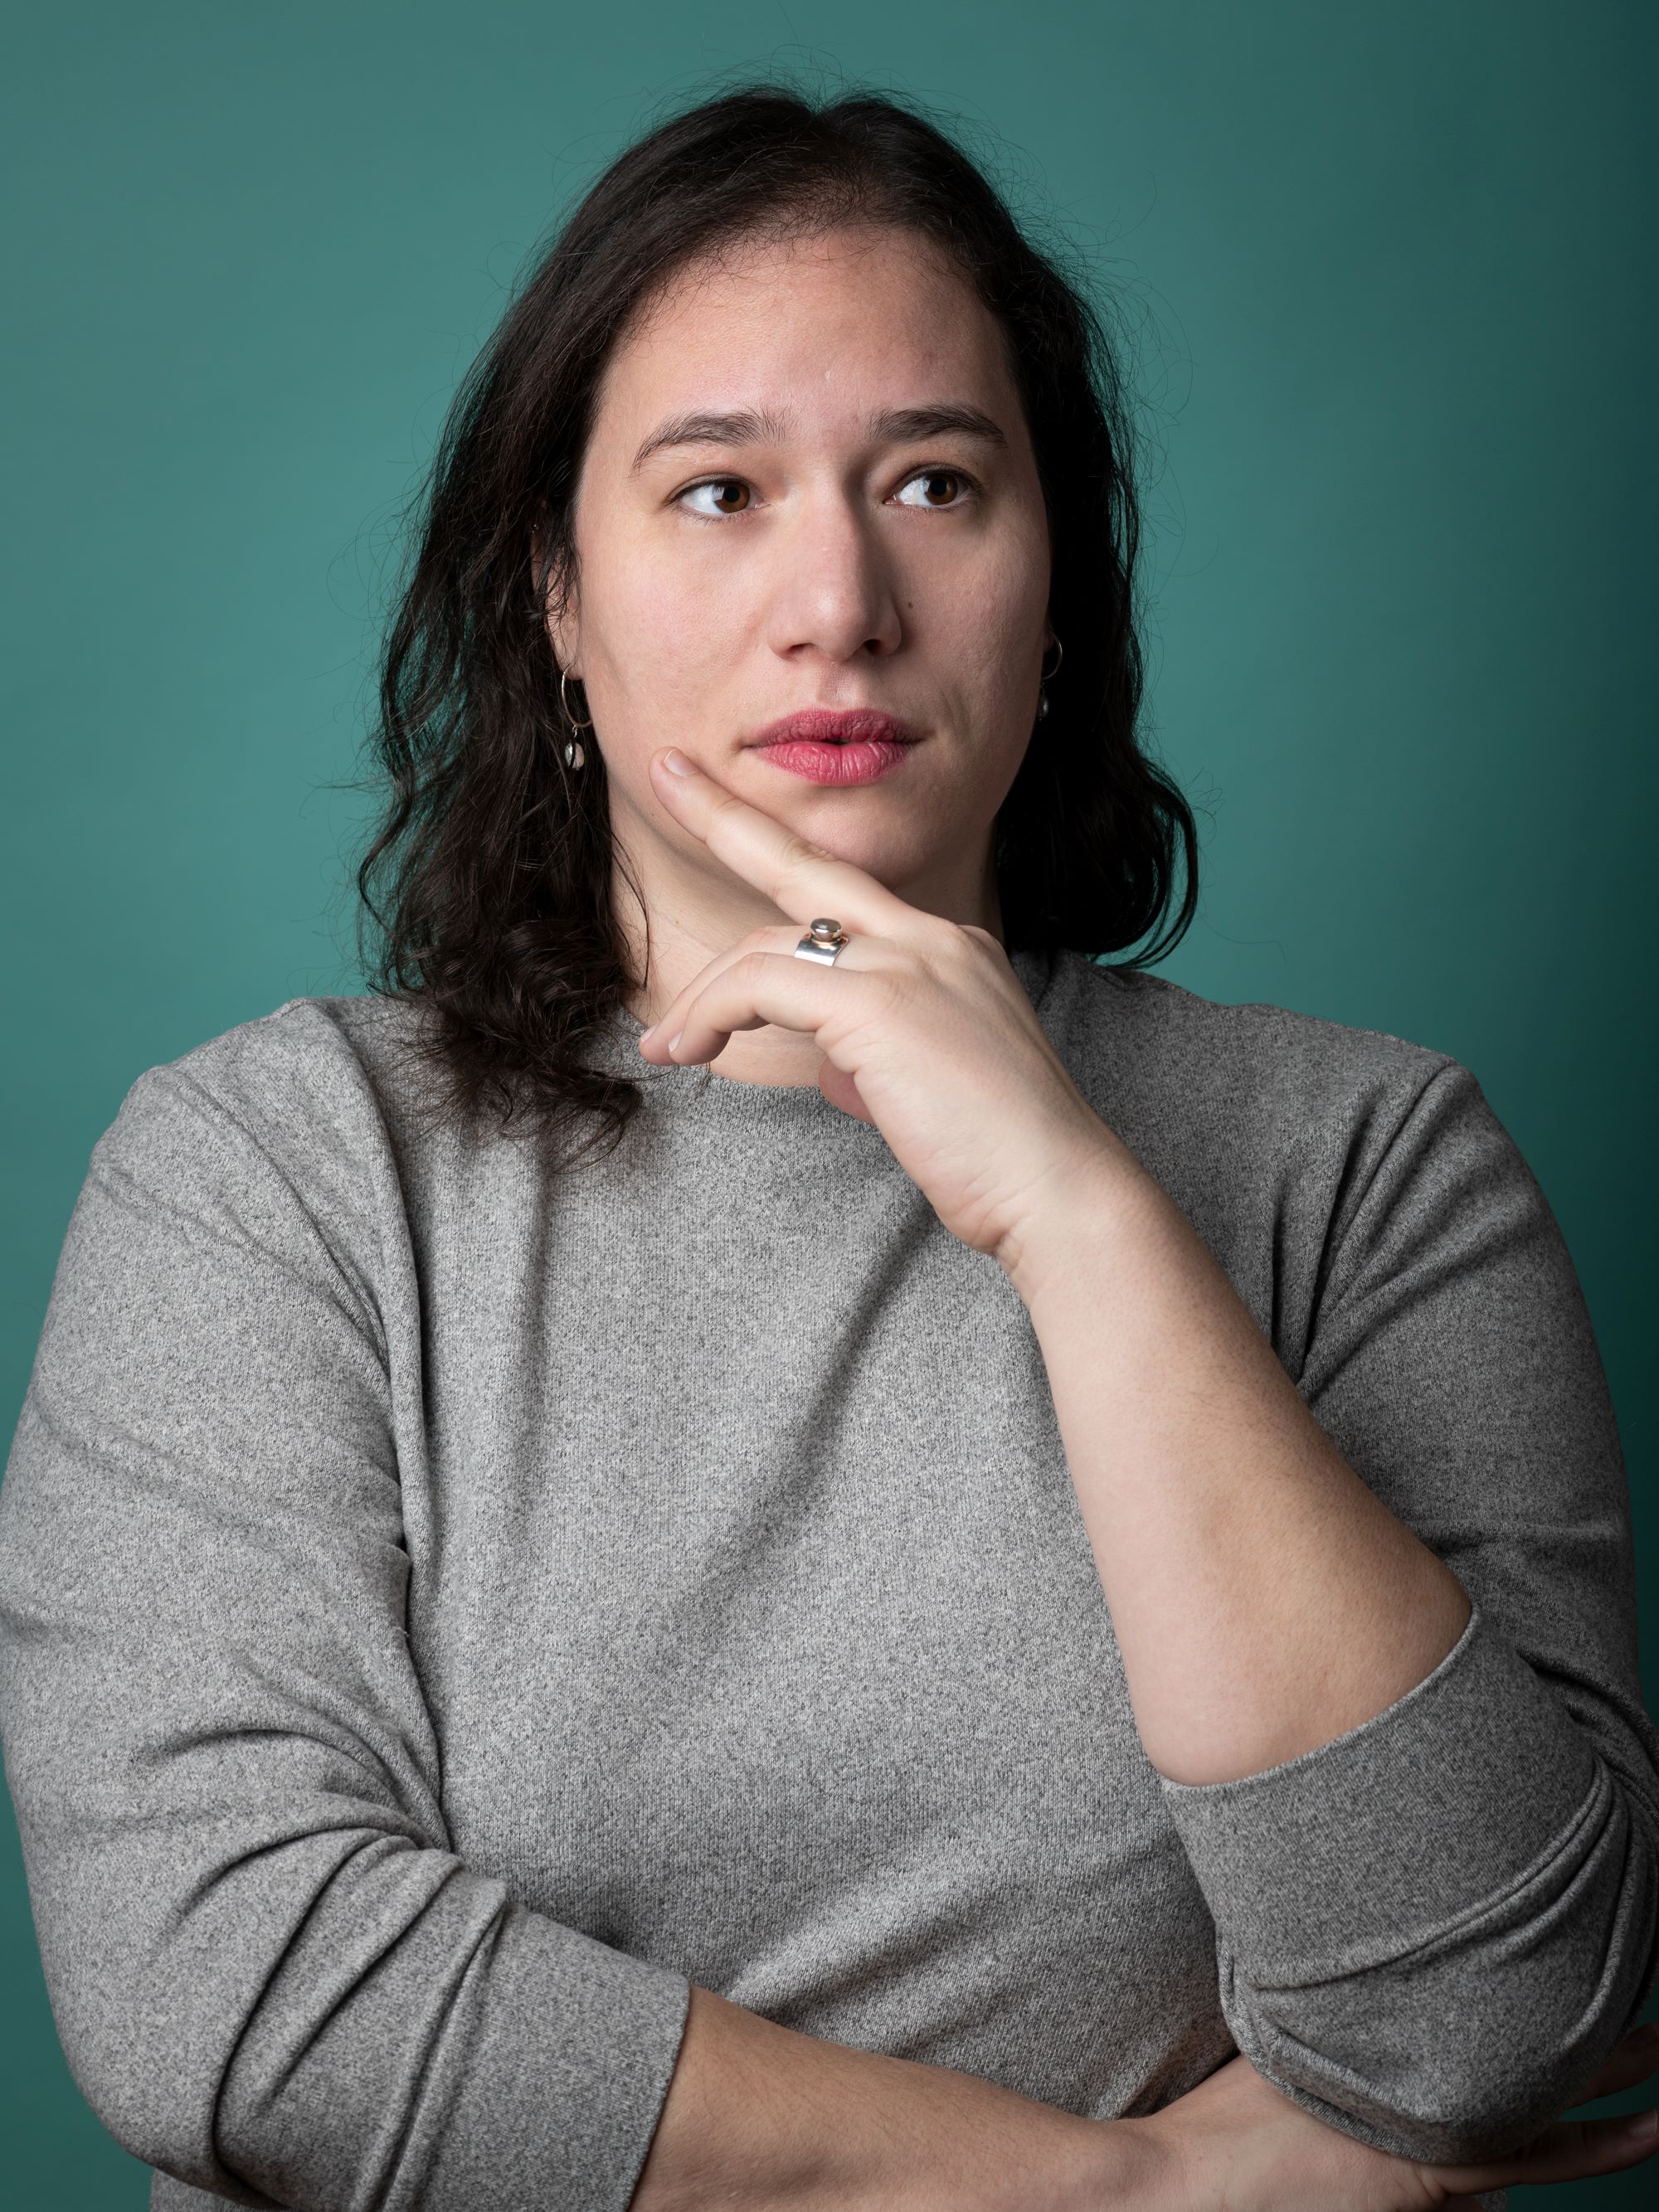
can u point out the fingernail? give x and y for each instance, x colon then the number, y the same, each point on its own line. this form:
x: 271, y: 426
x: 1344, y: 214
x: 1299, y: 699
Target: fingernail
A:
x: 1644, y: 2125
x: 674, y: 1043
x: 677, y: 763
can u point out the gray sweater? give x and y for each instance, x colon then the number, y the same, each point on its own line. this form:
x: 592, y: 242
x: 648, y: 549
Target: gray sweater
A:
x: 447, y: 1609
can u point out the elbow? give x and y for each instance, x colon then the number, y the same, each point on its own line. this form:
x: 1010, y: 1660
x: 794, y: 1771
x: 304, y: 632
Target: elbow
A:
x: 135, y: 2071
x: 1465, y: 2114
x: 1461, y: 2049
x: 1459, y: 2082
x: 1438, y: 2107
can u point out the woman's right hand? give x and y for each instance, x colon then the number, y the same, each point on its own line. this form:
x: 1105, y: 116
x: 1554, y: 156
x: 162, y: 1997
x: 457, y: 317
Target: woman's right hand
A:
x: 1235, y: 2144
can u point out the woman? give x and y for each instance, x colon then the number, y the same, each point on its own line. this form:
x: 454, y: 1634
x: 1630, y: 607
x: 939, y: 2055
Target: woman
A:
x: 540, y: 1678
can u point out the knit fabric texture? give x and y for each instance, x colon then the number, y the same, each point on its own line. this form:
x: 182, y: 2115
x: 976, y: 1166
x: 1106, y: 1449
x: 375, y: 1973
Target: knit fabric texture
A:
x: 449, y: 1604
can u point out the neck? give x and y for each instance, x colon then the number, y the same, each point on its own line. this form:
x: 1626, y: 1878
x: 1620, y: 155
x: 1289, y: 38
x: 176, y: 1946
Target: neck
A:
x: 688, y: 929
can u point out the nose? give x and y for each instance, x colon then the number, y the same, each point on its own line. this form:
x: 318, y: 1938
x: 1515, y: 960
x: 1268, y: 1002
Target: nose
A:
x: 833, y: 593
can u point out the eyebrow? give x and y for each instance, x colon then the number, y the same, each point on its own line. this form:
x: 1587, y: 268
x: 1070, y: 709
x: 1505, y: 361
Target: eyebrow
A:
x: 748, y: 426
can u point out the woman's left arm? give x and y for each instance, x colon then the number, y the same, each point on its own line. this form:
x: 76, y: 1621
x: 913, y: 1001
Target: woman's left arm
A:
x: 1377, y: 1623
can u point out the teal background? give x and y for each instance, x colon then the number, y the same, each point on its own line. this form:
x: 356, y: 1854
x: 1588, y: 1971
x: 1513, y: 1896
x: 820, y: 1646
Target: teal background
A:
x: 1384, y: 279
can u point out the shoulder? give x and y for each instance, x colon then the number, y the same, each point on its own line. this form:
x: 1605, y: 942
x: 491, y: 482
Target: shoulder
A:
x: 1314, y: 1155
x: 280, y: 1132
x: 296, y: 1077
x: 1261, y: 1076
x: 1258, y: 1119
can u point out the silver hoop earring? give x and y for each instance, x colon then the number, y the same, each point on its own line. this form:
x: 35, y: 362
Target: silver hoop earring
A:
x: 1042, y: 694
x: 575, y: 757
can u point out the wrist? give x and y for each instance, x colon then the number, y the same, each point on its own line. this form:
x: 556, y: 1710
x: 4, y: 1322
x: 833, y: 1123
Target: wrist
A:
x: 1105, y: 1197
x: 957, y: 2143
x: 1128, y: 2167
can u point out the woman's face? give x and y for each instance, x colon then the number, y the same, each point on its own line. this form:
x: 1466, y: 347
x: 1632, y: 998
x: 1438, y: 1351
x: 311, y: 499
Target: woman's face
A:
x: 812, y: 554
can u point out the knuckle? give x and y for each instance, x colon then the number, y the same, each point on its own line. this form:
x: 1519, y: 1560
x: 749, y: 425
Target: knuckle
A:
x: 943, y: 935
x: 797, y: 851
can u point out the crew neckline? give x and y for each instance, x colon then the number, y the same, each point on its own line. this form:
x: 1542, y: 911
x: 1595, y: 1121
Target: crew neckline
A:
x: 617, y: 1050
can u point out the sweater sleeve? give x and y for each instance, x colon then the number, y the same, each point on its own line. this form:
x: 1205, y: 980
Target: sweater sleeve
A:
x: 1431, y: 1930
x: 271, y: 1976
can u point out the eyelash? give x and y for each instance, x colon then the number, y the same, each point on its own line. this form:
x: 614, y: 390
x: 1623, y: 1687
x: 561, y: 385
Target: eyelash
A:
x: 931, y: 469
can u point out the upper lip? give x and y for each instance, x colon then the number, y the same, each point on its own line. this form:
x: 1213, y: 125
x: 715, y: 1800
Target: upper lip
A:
x: 827, y: 724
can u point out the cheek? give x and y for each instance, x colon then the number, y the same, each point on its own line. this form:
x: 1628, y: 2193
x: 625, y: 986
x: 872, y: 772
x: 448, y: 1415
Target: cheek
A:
x: 997, y: 575
x: 659, y: 623
x: 989, y: 611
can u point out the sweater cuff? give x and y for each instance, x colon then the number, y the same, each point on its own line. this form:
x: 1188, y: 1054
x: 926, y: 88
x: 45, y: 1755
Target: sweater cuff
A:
x: 1383, y: 1839
x: 567, y: 2077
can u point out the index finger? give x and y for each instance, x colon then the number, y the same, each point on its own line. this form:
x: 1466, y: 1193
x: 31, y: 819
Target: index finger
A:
x: 800, y: 878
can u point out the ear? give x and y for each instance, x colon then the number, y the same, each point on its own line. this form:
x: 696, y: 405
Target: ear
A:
x: 561, y: 613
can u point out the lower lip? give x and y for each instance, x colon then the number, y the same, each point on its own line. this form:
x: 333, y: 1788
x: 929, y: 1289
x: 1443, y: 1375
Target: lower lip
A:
x: 864, y: 762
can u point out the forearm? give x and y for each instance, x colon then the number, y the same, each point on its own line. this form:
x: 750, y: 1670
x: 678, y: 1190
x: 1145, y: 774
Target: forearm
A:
x: 757, y: 2116
x: 1264, y: 1600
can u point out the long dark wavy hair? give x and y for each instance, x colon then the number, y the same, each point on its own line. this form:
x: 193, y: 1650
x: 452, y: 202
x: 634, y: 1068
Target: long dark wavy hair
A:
x: 494, y: 859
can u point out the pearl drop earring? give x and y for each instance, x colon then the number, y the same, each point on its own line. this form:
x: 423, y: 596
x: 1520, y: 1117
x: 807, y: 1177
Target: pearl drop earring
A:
x: 1042, y: 694
x: 574, y: 755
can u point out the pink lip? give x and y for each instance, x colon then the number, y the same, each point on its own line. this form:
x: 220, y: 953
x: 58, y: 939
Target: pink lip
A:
x: 828, y: 725
x: 825, y: 746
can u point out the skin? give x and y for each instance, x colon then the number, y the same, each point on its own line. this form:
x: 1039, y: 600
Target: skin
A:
x: 841, y: 578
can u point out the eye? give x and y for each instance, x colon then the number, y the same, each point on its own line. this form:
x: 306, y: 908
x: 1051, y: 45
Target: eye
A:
x: 929, y: 478
x: 719, y: 485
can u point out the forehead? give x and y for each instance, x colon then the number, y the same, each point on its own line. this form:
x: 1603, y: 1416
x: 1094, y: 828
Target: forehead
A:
x: 836, y: 324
